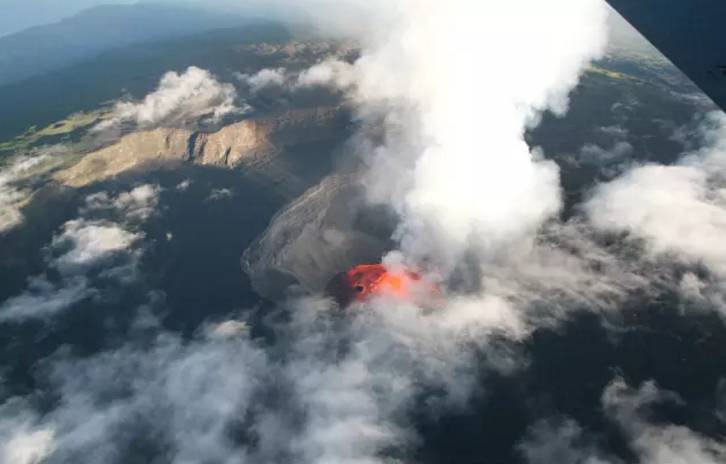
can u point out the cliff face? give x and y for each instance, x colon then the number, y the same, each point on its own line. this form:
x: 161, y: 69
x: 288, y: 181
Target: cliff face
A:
x: 230, y: 145
x: 247, y: 142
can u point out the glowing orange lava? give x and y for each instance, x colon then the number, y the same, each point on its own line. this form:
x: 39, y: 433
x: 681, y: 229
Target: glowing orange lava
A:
x: 368, y: 280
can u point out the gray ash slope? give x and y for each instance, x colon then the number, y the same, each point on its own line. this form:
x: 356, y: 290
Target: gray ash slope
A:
x: 328, y: 230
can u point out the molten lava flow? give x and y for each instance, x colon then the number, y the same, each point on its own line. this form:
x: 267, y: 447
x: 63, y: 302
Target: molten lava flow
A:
x: 368, y: 280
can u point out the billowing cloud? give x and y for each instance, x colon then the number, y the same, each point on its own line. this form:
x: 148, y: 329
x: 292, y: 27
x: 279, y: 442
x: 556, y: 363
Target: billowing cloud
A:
x: 657, y: 443
x: 137, y: 204
x: 455, y: 107
x: 82, y: 247
x: 264, y: 78
x: 22, y: 440
x: 168, y: 389
x: 678, y: 209
x: 313, y: 395
x: 329, y: 73
x: 89, y: 242
x: 180, y: 99
x: 563, y: 440
x: 454, y: 104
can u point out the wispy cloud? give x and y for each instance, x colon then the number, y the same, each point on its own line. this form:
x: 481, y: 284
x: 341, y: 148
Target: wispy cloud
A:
x: 86, y: 247
x: 137, y: 204
x: 180, y: 99
x: 163, y: 389
x: 631, y: 409
x: 268, y: 77
x: 678, y: 211
x: 657, y: 443
x: 561, y: 440
x: 11, y: 195
x: 220, y: 194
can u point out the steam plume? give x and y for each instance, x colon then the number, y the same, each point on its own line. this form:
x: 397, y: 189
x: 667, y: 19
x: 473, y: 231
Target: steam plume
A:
x: 456, y: 85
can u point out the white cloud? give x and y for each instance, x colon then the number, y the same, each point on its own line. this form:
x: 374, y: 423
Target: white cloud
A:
x: 598, y: 155
x: 357, y: 400
x: 678, y: 211
x: 21, y: 440
x: 138, y: 204
x: 84, y: 248
x: 669, y: 206
x: 329, y: 73
x: 188, y: 395
x: 455, y: 104
x: 220, y: 194
x: 29, y: 448
x: 89, y: 242
x: 264, y: 78
x: 228, y: 329
x: 184, y: 185
x: 561, y: 441
x: 657, y: 443
x: 180, y: 99
x: 12, y: 196
x: 326, y: 390
x: 43, y: 298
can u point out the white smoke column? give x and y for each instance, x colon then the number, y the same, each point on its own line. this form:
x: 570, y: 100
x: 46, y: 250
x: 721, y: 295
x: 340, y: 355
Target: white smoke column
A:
x: 457, y: 84
x: 454, y: 85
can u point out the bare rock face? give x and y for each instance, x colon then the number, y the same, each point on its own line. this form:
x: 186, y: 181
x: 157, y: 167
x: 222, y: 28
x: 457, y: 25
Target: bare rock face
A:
x: 327, y: 230
x: 158, y: 146
x: 231, y: 145
x: 247, y: 142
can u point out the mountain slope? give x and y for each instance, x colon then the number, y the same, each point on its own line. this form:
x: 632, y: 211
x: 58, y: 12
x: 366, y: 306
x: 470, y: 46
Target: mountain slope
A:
x: 45, y: 48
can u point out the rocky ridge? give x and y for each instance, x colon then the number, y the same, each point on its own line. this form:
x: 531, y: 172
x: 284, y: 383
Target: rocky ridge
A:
x: 249, y: 142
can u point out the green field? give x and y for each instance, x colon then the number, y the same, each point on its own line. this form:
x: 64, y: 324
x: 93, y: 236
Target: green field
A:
x: 56, y: 132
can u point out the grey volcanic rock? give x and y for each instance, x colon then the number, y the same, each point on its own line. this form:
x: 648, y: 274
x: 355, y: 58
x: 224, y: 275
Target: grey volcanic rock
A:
x: 327, y: 230
x: 250, y: 142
